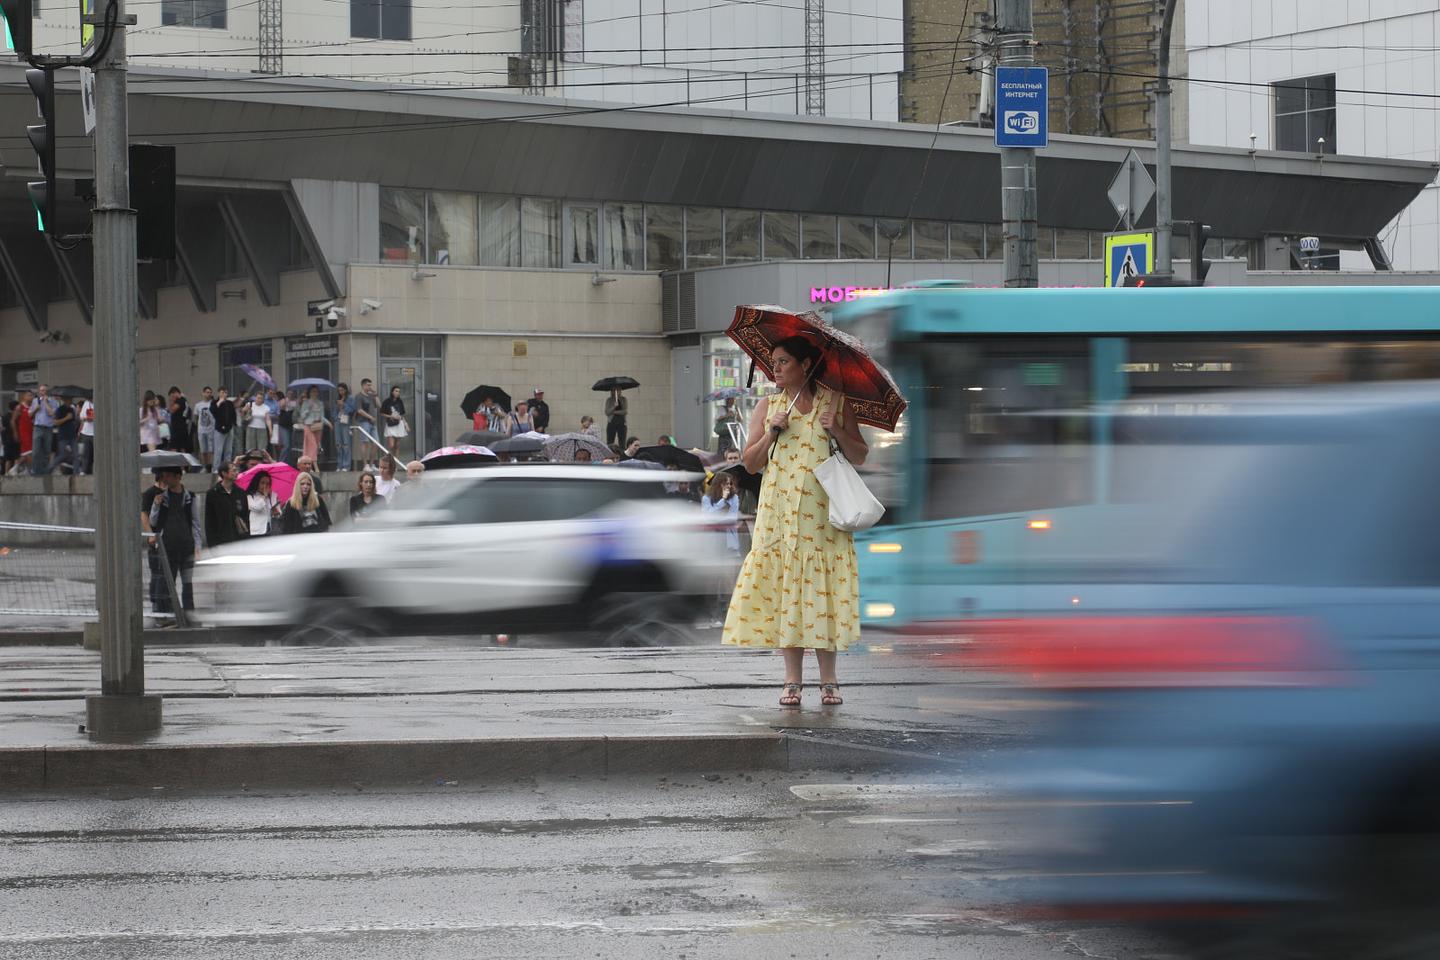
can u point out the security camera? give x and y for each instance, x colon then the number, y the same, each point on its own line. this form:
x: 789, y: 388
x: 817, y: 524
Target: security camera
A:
x: 334, y: 314
x: 327, y: 305
x: 371, y: 304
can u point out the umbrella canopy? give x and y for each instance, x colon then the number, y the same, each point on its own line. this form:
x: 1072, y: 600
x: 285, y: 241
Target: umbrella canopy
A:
x: 519, y: 446
x: 563, y: 448
x: 69, y: 390
x: 481, y: 438
x: 634, y: 464
x: 671, y: 456
x: 725, y: 393
x: 258, y: 374
x: 479, y: 395
x: 282, y: 478
x: 706, y: 458
x: 616, y: 383
x: 744, y: 479
x: 311, y: 382
x: 869, y: 390
x: 156, y: 459
x: 462, y: 455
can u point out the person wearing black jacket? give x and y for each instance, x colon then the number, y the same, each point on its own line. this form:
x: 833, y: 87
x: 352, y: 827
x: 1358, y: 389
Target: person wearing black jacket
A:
x: 305, y: 512
x: 224, y: 426
x: 227, y: 512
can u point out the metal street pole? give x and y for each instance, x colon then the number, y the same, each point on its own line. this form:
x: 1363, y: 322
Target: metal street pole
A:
x: 122, y: 706
x: 1164, y: 224
x: 1019, y: 203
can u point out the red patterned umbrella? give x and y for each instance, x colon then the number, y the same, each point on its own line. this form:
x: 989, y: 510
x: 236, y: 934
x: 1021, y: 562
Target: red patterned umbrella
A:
x: 869, y: 390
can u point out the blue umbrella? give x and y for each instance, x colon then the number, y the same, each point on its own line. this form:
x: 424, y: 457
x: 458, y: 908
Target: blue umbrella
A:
x: 312, y: 382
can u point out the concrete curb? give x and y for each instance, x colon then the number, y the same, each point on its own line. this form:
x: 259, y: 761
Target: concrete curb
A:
x: 224, y: 766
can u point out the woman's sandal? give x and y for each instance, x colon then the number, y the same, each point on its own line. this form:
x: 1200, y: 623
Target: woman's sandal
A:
x: 790, y: 695
x: 830, y: 695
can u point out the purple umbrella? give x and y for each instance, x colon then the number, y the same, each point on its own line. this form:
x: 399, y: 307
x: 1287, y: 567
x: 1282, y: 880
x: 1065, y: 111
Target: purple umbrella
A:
x: 258, y: 374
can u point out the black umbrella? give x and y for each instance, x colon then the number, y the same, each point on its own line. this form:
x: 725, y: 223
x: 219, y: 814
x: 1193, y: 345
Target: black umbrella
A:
x: 480, y: 394
x: 481, y: 438
x: 84, y: 393
x: 616, y: 383
x: 744, y: 479
x: 518, y: 446
x: 671, y: 456
x: 161, y: 459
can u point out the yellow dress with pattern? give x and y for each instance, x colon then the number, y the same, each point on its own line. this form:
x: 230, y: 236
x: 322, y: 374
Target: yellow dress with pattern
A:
x: 799, y: 585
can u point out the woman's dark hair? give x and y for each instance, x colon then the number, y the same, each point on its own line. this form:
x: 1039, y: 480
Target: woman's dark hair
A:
x: 149, y: 395
x: 802, y: 349
x: 342, y: 385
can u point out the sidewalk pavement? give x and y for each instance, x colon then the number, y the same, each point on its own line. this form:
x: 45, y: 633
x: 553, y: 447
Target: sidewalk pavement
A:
x: 425, y: 712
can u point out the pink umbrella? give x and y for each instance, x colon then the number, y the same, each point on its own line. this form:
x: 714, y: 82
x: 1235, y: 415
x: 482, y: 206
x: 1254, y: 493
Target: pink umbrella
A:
x: 282, y: 478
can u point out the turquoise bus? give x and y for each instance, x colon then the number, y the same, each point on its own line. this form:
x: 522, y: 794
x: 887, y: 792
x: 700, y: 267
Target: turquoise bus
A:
x: 1008, y: 445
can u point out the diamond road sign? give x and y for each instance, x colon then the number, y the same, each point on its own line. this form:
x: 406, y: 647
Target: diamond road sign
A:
x: 1132, y: 189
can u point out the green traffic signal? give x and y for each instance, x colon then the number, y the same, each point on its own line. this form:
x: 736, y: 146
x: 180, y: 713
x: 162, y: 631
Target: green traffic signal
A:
x: 42, y: 138
x: 17, y: 15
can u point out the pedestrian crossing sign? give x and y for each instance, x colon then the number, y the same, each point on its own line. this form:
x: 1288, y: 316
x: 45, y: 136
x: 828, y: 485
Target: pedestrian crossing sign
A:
x: 1128, y: 255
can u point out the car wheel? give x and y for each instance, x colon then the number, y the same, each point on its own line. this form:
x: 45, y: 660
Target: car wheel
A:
x: 333, y: 621
x: 642, y: 620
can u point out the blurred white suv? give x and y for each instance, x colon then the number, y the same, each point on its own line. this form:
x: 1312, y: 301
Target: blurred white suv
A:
x: 523, y: 548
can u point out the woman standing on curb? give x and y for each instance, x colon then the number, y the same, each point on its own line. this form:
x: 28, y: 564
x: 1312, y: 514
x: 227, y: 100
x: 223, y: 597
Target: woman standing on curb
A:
x: 799, y: 587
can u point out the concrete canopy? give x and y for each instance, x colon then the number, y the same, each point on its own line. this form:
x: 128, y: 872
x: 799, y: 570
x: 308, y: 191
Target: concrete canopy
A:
x: 258, y: 132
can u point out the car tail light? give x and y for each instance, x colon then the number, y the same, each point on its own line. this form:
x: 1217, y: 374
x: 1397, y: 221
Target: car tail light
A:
x: 1140, y: 651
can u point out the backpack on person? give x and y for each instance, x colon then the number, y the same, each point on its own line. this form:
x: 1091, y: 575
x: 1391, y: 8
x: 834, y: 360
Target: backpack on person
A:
x: 175, y: 526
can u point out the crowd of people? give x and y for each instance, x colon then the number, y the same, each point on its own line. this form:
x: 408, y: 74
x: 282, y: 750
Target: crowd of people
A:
x: 46, y: 433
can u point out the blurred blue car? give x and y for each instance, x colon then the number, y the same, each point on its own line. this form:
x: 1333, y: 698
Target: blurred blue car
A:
x: 1246, y: 657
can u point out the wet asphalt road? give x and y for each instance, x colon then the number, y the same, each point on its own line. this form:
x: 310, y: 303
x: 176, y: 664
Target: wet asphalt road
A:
x: 783, y: 865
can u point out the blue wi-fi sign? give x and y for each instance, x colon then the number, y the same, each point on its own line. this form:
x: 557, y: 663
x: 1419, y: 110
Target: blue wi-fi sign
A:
x: 1022, y: 107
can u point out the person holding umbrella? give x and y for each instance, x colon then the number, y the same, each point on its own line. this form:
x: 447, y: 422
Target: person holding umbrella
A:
x: 798, y: 588
x: 312, y: 420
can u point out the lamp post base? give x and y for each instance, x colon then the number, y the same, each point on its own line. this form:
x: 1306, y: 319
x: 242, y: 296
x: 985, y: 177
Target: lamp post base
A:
x: 122, y: 715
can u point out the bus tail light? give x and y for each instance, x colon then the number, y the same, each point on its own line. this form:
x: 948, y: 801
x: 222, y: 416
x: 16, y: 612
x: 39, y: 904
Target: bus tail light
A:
x: 1142, y: 651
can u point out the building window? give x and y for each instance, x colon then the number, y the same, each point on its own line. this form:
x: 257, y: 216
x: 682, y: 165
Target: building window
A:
x: 703, y: 236
x: 402, y: 225
x: 582, y: 243
x: 817, y: 235
x: 1071, y: 244
x: 500, y: 231
x: 994, y: 242
x: 452, y: 235
x: 782, y: 236
x: 192, y: 13
x: 967, y: 241
x: 232, y: 355
x: 742, y: 236
x: 378, y: 19
x: 929, y: 240
x: 857, y: 238
x: 894, y: 242
x: 539, y: 232
x: 1305, y: 114
x: 664, y: 237
x: 625, y: 236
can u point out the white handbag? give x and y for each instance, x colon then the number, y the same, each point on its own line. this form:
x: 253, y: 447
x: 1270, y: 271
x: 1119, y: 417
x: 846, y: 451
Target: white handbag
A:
x: 852, y: 505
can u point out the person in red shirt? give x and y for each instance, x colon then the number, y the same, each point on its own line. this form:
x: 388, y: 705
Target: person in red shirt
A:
x: 23, y: 423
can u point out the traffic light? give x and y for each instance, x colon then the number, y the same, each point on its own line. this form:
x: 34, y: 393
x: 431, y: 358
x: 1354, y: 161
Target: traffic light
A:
x: 42, y: 138
x: 1199, y: 266
x: 17, y: 25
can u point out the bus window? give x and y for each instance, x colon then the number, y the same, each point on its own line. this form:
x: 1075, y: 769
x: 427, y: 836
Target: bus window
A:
x: 1005, y: 427
x: 1173, y: 365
